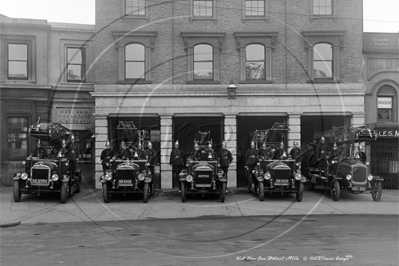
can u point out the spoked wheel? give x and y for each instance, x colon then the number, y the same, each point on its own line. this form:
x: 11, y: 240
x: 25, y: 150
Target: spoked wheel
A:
x: 105, y: 193
x: 64, y: 192
x: 183, y: 192
x: 17, y: 191
x: 377, y: 191
x: 145, y: 190
x: 223, y: 192
x: 261, y: 191
x: 335, y: 190
x: 299, y: 194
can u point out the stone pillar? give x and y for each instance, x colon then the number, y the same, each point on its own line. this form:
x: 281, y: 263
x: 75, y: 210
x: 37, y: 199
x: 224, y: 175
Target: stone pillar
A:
x: 230, y: 136
x: 166, y: 149
x: 294, y: 122
x: 101, y: 133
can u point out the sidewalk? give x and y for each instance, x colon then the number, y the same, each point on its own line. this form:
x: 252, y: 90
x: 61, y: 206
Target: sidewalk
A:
x: 88, y: 205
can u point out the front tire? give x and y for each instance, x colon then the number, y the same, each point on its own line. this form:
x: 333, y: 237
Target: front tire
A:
x: 17, y: 191
x: 145, y: 190
x: 183, y: 192
x: 223, y: 192
x: 335, y: 190
x: 64, y: 192
x: 299, y: 194
x: 105, y: 193
x: 377, y: 191
x: 261, y: 191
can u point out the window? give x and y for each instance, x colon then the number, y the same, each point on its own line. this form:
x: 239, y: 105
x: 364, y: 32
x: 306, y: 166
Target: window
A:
x: 203, y: 62
x: 254, y: 8
x: 322, y: 61
x: 255, y: 62
x: 323, y: 50
x: 255, y: 56
x: 17, y: 137
x: 135, y: 55
x: 76, y: 67
x: 203, y: 56
x: 384, y: 109
x: 203, y: 8
x: 17, y: 61
x: 135, y: 7
x: 134, y: 61
x: 322, y: 7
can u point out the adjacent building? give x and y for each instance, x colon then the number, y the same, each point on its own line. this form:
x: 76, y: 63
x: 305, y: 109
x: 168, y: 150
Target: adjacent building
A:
x: 166, y: 67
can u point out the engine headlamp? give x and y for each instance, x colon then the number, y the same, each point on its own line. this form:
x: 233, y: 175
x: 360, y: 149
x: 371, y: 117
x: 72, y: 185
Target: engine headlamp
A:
x: 370, y: 177
x: 67, y: 163
x: 189, y: 178
x: 348, y: 177
x: 141, y: 177
x: 108, y: 176
x: 267, y: 176
x: 367, y: 163
x: 24, y: 176
x: 55, y: 177
x: 298, y: 176
x: 24, y: 162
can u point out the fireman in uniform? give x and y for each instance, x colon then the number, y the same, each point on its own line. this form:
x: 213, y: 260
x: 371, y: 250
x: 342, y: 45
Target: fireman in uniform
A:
x: 124, y: 151
x: 264, y: 152
x: 176, y: 162
x: 106, y: 156
x: 321, y: 155
x: 212, y: 156
x: 295, y: 152
x: 139, y: 154
x: 63, y: 151
x: 251, y: 158
x: 151, y: 156
x: 225, y: 158
x: 280, y: 153
x: 73, y: 156
x: 39, y: 151
x: 362, y: 154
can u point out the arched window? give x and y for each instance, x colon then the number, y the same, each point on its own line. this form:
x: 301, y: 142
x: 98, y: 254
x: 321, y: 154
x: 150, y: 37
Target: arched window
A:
x: 203, y: 62
x: 255, y: 62
x: 134, y: 61
x: 323, y: 61
x: 387, y: 104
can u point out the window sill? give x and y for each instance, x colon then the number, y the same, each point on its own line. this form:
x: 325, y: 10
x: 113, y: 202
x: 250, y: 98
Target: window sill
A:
x: 134, y: 81
x: 129, y: 17
x: 245, y: 19
x: 256, y: 82
x: 203, y: 82
x: 203, y: 18
x: 324, y: 81
x: 322, y: 17
x: 20, y: 81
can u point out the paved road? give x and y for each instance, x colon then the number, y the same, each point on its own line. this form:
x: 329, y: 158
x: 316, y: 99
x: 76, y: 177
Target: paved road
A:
x: 253, y: 240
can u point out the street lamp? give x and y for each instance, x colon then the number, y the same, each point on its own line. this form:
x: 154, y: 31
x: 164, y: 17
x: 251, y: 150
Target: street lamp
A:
x: 231, y: 90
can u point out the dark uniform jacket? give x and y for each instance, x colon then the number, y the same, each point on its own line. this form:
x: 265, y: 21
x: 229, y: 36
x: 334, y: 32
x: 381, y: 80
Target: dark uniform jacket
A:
x: 176, y: 157
x: 294, y: 153
x: 251, y: 157
x: 40, y: 152
x: 200, y: 155
x: 151, y: 153
x: 106, y: 155
x: 211, y: 155
x: 225, y: 157
x: 140, y: 154
x: 73, y: 152
x: 279, y: 153
x: 62, y: 152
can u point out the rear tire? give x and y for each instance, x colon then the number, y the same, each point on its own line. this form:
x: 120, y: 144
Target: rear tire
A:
x: 183, y: 192
x: 261, y: 191
x: 105, y: 193
x: 64, y: 192
x: 17, y: 191
x: 335, y: 190
x: 299, y: 194
x: 377, y: 192
x: 223, y: 192
x: 145, y: 190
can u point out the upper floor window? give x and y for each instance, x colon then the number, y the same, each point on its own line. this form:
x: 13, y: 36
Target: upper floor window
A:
x: 76, y: 66
x: 384, y: 109
x: 322, y: 61
x: 255, y: 62
x: 203, y: 8
x: 17, y: 61
x: 254, y: 8
x: 134, y: 61
x: 203, y: 62
x: 135, y: 7
x: 322, y: 7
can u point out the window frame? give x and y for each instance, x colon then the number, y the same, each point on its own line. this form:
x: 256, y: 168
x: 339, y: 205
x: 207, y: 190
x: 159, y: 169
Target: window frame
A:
x: 9, y: 60
x: 390, y: 109
x: 267, y: 39
x: 264, y: 61
x: 146, y: 38
x: 125, y: 61
x: 324, y: 60
x: 334, y: 38
x: 82, y: 65
x: 212, y: 61
x: 214, y: 39
x: 333, y: 14
x: 387, y: 89
x: 18, y: 115
x: 128, y: 16
x: 193, y: 17
x: 245, y: 17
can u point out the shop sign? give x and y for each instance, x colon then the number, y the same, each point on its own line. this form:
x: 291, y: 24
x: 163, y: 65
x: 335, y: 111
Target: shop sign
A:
x: 74, y: 115
x: 376, y: 66
x: 384, y: 103
x: 390, y: 133
x: 380, y: 41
